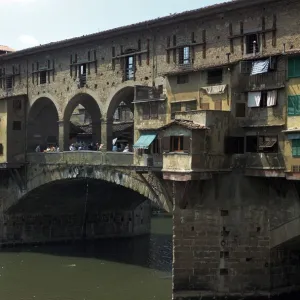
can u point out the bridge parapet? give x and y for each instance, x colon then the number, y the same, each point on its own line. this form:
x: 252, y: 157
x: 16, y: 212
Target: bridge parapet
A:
x: 82, y: 158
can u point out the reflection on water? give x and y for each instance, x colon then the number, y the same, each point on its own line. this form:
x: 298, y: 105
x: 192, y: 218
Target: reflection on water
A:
x: 127, y: 269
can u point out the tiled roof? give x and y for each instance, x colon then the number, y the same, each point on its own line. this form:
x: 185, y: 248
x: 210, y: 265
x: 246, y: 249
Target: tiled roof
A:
x: 185, y: 123
x: 6, y: 49
x: 172, y: 18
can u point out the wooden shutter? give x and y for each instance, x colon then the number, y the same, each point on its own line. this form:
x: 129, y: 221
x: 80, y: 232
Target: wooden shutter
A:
x: 291, y: 106
x: 123, y: 68
x: 154, y: 110
x: 166, y: 144
x: 186, y: 144
x: 146, y: 111
x: 218, y: 105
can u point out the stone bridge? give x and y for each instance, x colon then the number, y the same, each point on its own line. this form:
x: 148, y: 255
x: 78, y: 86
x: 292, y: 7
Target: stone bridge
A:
x: 113, y: 186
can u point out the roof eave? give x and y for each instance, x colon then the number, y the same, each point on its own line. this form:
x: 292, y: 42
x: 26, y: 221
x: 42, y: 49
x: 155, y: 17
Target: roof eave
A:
x: 193, y: 14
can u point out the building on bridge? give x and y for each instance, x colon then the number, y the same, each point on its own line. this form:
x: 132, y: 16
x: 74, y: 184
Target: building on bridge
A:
x: 215, y: 99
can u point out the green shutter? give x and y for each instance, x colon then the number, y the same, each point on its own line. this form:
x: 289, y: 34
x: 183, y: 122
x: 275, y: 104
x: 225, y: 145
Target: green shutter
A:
x: 294, y: 67
x: 291, y: 106
x: 291, y: 68
x: 295, y: 148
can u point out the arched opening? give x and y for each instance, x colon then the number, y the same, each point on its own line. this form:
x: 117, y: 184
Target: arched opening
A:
x: 56, y: 212
x: 120, y: 117
x: 42, y: 126
x: 82, y: 124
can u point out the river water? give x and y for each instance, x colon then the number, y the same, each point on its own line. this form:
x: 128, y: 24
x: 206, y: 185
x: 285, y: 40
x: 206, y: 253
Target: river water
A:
x: 128, y: 269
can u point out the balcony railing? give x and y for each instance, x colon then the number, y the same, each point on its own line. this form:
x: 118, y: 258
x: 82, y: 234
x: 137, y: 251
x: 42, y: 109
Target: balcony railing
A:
x: 265, y: 81
x: 266, y: 161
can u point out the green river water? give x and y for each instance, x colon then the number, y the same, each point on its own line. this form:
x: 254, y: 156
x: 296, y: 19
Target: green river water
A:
x: 123, y: 269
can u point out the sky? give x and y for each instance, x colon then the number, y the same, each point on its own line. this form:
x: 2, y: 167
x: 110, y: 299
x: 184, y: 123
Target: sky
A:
x: 28, y: 23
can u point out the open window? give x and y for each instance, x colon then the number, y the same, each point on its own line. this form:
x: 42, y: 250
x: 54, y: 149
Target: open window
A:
x: 234, y: 145
x: 215, y: 76
x: 252, y: 43
x: 82, y: 75
x: 262, y: 144
x: 9, y: 82
x: 268, y: 144
x: 129, y: 65
x: 184, y: 55
x: 43, y: 77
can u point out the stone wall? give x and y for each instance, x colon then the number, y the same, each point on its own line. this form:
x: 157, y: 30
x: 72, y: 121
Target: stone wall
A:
x: 222, y: 237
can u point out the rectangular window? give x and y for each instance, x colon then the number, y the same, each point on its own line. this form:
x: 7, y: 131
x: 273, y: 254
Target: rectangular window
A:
x: 268, y: 144
x: 17, y: 104
x: 184, y: 56
x: 182, y: 79
x: 262, y: 144
x: 263, y: 99
x: 294, y: 67
x: 176, y: 144
x: 251, y: 144
x: 82, y: 75
x: 191, y: 105
x: 1, y: 149
x: 146, y: 111
x: 215, y: 76
x: 252, y: 43
x: 156, y: 146
x: 296, y: 148
x: 175, y: 107
x: 240, y: 110
x: 130, y: 68
x: 294, y: 105
x: 153, y: 110
x: 43, y: 77
x: 9, y: 82
x: 234, y: 145
x: 17, y: 125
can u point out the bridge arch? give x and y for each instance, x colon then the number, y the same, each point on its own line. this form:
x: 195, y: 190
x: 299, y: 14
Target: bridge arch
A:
x: 91, y: 106
x: 122, y: 96
x: 42, y: 174
x: 42, y: 123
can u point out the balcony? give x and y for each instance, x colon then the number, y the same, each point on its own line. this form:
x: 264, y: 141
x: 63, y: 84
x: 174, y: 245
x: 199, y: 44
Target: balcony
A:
x: 264, y: 81
x: 265, y: 164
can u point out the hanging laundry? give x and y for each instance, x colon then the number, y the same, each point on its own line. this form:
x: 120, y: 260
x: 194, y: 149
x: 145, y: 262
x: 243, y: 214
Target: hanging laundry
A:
x: 254, y: 99
x: 215, y: 89
x: 272, y: 98
x: 260, y: 66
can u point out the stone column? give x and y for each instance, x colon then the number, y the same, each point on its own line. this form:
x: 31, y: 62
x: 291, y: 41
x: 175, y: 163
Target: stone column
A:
x: 96, y: 132
x: 106, y: 134
x: 63, y: 135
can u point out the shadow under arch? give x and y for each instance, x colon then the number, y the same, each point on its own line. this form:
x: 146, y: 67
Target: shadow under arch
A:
x: 92, y: 107
x: 125, y: 95
x: 42, y: 125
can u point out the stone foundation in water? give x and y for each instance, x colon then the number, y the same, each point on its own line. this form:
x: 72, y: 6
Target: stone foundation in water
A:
x: 42, y: 228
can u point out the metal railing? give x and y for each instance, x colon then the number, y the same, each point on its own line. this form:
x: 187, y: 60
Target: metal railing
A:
x: 266, y: 80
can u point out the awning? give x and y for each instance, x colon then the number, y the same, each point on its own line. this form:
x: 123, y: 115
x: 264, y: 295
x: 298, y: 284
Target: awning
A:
x: 144, y: 141
x: 293, y: 136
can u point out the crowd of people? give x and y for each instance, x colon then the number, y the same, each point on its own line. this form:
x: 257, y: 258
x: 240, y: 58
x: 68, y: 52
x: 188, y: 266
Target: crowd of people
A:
x: 81, y: 146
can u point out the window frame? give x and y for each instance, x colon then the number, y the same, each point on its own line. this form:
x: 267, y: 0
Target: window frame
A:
x: 293, y: 146
x: 248, y: 46
x: 184, y: 54
x: 179, y: 148
x: 129, y: 67
x: 182, y: 79
x: 292, y: 67
x: 293, y: 109
x: 214, y: 79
